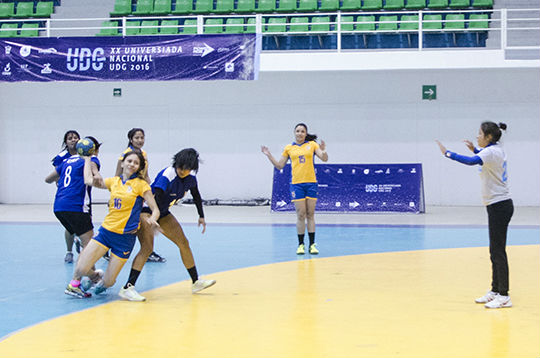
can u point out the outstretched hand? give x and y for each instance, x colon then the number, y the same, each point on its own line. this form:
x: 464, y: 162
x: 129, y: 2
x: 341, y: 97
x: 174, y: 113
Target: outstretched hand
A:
x: 265, y: 150
x: 322, y: 145
x: 441, y: 147
x: 469, y: 145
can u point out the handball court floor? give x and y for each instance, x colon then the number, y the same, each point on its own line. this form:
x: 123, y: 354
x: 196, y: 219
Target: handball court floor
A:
x: 384, y: 285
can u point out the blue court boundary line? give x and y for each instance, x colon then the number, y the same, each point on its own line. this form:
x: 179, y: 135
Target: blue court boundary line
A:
x: 419, y: 226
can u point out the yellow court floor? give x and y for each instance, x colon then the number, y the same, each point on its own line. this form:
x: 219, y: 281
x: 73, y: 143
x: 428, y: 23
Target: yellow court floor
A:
x: 401, y: 304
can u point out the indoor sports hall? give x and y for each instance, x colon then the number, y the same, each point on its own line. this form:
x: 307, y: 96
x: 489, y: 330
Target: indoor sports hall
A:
x: 379, y: 82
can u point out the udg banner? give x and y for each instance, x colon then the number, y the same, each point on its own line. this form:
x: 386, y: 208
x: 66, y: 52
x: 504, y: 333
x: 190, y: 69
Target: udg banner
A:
x: 131, y: 58
x: 358, y: 188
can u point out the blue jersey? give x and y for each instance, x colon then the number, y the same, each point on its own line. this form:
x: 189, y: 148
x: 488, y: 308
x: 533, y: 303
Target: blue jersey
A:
x: 72, y: 194
x: 60, y: 158
x: 172, y: 185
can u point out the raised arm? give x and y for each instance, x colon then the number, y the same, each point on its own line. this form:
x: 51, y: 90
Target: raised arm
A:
x: 474, y: 160
x: 321, y: 152
x: 91, y: 174
x: 278, y: 164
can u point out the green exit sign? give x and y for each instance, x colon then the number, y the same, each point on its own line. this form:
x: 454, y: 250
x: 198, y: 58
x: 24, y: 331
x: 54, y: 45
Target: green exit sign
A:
x: 429, y: 92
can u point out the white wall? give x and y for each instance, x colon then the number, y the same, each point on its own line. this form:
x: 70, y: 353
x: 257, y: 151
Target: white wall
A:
x: 364, y: 116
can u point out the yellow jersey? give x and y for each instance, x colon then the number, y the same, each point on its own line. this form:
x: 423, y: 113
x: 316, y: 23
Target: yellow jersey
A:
x: 130, y: 149
x: 125, y: 204
x: 301, y: 156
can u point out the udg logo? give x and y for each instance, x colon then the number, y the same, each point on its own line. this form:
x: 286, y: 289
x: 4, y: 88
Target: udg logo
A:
x: 81, y: 59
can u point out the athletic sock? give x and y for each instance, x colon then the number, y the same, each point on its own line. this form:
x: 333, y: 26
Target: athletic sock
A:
x: 133, y: 276
x: 301, y: 239
x: 193, y: 273
x: 311, y: 238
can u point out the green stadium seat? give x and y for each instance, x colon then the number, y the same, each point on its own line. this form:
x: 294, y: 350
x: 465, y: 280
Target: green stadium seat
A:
x: 190, y: 26
x: 234, y: 25
x: 387, y: 23
x: 479, y: 22
x: 415, y: 4
x: 24, y: 9
x: 183, y: 7
x: 162, y: 7
x: 365, y: 23
x: 44, y: 9
x: 299, y: 24
x: 394, y: 4
x: 217, y: 29
x: 432, y: 22
x: 347, y: 23
x: 459, y: 4
x: 121, y: 8
x: 350, y: 5
x: 286, y: 6
x: 29, y: 29
x: 320, y: 24
x: 276, y: 24
x: 243, y: 6
x: 409, y: 23
x: 454, y: 21
x: 224, y: 6
x: 372, y: 5
x: 149, y: 27
x: 482, y: 3
x: 437, y: 4
x: 329, y: 5
x: 7, y: 9
x: 204, y: 7
x: 9, y: 29
x: 250, y: 25
x: 168, y: 27
x: 266, y: 6
x: 133, y: 28
x: 108, y: 30
x: 307, y: 5
x: 144, y: 7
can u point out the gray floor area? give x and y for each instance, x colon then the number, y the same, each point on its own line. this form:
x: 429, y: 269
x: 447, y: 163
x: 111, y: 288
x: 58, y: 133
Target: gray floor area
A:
x: 435, y: 215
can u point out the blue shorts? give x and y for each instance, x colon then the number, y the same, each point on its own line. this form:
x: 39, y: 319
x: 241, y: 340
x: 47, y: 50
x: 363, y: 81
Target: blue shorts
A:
x: 121, y: 245
x: 303, y: 191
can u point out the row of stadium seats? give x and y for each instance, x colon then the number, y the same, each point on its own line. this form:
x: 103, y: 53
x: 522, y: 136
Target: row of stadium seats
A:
x: 26, y: 9
x: 182, y: 7
x: 321, y: 24
x: 15, y: 29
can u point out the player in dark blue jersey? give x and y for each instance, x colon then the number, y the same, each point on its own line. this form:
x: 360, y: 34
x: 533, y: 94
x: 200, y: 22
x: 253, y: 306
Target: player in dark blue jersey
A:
x: 72, y: 203
x: 71, y: 137
x: 170, y: 185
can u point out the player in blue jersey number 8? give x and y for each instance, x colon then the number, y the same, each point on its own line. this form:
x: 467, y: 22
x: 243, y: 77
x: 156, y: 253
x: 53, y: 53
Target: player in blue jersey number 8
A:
x: 119, y: 228
x: 496, y: 196
x: 304, y: 182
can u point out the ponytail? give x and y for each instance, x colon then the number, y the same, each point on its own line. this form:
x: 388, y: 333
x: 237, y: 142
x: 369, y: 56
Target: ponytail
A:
x: 309, y: 137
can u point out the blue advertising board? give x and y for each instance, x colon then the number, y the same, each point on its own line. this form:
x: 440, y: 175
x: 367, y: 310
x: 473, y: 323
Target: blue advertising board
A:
x: 358, y: 188
x: 130, y: 58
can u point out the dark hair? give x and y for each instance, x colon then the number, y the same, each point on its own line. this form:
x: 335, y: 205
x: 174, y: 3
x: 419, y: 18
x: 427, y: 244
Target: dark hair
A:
x: 186, y: 159
x: 142, y: 161
x: 493, y: 129
x: 96, y: 143
x: 309, y: 137
x: 64, y: 142
x: 132, y: 133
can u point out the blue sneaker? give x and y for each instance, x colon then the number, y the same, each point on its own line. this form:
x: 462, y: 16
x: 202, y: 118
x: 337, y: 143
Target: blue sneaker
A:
x: 100, y: 288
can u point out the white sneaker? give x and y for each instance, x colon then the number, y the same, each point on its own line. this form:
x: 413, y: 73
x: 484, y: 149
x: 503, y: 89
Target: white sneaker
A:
x: 130, y: 294
x: 200, y: 285
x: 489, y: 296
x: 499, y: 302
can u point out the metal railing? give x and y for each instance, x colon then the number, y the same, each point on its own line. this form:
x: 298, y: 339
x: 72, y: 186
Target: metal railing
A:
x: 500, y: 22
